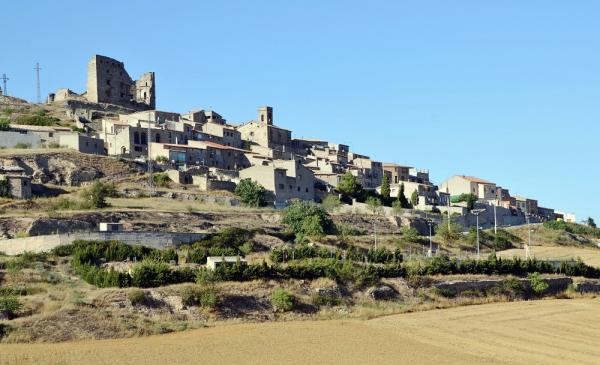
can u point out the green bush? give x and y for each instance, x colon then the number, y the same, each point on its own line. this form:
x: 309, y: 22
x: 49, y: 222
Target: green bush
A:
x: 136, y: 296
x: 161, y: 179
x: 162, y: 160
x: 4, y: 124
x: 95, y: 195
x: 537, y: 282
x: 9, y: 305
x: 307, y: 220
x: 38, y: 118
x: 326, y: 300
x: 22, y: 146
x: 282, y: 300
x: 573, y: 228
x: 251, y: 193
x: 331, y: 203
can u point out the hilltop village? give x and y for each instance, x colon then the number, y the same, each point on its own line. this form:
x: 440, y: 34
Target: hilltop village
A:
x: 117, y: 116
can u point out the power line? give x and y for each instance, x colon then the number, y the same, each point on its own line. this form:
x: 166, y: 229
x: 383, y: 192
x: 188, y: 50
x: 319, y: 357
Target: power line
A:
x: 37, y: 69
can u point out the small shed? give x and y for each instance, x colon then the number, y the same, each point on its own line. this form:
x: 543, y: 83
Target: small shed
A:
x: 110, y: 227
x: 212, y: 262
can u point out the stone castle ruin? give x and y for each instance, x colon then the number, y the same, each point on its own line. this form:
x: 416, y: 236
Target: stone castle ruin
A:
x: 109, y: 83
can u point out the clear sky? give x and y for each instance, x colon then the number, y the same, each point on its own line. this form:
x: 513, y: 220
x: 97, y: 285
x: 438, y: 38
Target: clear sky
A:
x: 508, y: 91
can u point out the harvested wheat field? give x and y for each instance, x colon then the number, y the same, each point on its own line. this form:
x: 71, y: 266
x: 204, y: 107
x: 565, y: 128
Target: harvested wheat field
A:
x: 534, y: 332
x: 589, y: 255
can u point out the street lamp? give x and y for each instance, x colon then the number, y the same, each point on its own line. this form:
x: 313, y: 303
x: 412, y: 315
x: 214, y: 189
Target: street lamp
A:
x: 430, y: 252
x: 528, y: 248
x: 476, y: 212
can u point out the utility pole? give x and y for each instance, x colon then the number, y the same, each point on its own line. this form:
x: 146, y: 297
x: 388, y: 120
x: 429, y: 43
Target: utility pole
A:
x: 148, y: 160
x: 37, y: 69
x: 4, y: 80
x: 528, y: 248
x: 495, y: 222
x: 476, y: 212
x: 430, y: 223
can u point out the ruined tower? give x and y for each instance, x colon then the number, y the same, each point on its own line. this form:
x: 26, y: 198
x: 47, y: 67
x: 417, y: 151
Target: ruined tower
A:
x: 109, y: 82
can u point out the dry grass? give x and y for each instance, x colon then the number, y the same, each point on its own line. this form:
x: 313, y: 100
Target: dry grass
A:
x: 590, y: 256
x: 540, y: 332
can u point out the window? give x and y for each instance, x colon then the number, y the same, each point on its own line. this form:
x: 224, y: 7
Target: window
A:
x: 298, y: 188
x: 307, y: 190
x: 108, y: 82
x: 136, y: 138
x: 157, y: 138
x: 144, y: 139
x: 50, y: 134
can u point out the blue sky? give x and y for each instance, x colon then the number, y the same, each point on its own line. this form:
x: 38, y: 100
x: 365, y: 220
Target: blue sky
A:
x: 508, y: 91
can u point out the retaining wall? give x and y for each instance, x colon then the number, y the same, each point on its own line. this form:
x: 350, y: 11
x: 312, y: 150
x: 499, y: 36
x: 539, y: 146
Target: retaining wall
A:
x: 150, y: 239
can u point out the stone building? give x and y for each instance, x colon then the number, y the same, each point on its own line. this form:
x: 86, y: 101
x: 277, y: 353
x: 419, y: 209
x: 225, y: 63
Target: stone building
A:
x: 461, y: 184
x: 283, y: 179
x: 14, y: 182
x: 265, y: 134
x: 201, y: 153
x: 398, y: 173
x: 82, y: 143
x: 108, y: 82
x: 130, y: 138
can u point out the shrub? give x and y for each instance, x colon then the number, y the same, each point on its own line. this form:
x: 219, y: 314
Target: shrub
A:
x: 331, y: 203
x: 95, y: 195
x: 161, y: 179
x: 251, y: 193
x: 414, y: 198
x: 9, y: 305
x: 447, y: 234
x: 4, y: 189
x: 410, y: 234
x: 148, y: 274
x: 374, y: 205
x: 307, y: 219
x: 4, y: 124
x: 191, y: 295
x: 22, y: 146
x: 326, y: 300
x: 282, y: 300
x: 136, y: 296
x: 162, y: 160
x: 38, y: 118
x: 538, y: 284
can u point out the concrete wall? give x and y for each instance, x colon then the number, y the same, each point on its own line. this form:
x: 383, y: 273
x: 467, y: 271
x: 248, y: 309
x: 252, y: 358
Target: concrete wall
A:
x: 150, y: 239
x: 82, y: 143
x: 10, y: 139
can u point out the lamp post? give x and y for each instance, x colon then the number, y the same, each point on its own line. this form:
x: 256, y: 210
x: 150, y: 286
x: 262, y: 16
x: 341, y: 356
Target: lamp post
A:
x: 476, y: 212
x: 430, y: 252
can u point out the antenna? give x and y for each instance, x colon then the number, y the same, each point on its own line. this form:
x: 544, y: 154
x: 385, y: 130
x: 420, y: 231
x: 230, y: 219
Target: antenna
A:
x: 37, y: 69
x: 4, y: 79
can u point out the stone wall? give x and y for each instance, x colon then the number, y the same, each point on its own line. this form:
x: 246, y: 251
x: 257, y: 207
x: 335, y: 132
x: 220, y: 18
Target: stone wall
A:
x: 150, y: 239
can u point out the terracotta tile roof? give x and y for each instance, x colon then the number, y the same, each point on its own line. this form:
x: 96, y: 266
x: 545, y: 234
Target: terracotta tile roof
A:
x: 476, y: 179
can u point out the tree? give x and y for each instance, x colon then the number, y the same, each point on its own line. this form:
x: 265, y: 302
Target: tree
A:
x: 385, y: 187
x: 4, y: 124
x: 397, y: 207
x: 95, y: 196
x: 470, y: 199
x: 402, y: 198
x: 349, y: 185
x: 307, y: 220
x: 410, y: 234
x: 251, y: 193
x: 414, y: 198
x: 590, y: 222
x: 448, y: 233
x: 374, y: 205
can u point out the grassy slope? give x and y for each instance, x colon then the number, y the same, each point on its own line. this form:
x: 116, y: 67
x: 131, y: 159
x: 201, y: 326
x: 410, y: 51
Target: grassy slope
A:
x: 540, y: 332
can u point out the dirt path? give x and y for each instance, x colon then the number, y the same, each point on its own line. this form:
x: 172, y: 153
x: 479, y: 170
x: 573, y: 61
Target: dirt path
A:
x: 537, y: 332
